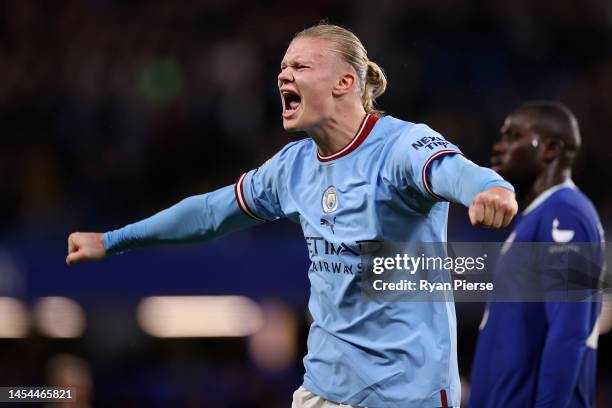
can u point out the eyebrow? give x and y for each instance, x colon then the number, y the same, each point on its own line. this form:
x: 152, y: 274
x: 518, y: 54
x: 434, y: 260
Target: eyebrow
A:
x: 296, y: 61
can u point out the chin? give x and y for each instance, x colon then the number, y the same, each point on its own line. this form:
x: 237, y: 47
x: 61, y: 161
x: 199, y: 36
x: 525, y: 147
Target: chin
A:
x: 290, y: 126
x: 299, y: 122
x: 502, y: 172
x: 295, y: 123
x: 512, y: 177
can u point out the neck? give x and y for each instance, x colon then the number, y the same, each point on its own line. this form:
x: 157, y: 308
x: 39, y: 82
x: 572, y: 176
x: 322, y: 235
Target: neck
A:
x: 551, y: 177
x: 336, y: 131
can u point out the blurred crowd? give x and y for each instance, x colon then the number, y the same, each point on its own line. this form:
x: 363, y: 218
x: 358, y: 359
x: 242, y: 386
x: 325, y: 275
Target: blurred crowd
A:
x: 113, y: 109
x: 110, y: 110
x: 117, y: 365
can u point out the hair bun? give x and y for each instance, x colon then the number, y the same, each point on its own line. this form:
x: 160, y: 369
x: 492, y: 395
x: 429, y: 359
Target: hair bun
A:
x: 375, y: 85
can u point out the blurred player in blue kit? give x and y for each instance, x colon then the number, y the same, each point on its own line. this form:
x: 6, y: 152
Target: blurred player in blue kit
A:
x: 359, y: 177
x: 541, y: 354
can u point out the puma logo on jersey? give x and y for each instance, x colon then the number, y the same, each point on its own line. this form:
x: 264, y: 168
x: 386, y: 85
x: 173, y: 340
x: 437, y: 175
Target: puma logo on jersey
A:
x: 560, y: 235
x: 329, y: 224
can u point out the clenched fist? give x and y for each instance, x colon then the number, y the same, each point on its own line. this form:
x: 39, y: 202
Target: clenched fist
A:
x: 493, y: 208
x: 85, y: 246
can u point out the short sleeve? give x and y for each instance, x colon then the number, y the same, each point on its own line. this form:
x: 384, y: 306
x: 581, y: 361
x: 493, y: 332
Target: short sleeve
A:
x: 418, y: 148
x: 259, y: 191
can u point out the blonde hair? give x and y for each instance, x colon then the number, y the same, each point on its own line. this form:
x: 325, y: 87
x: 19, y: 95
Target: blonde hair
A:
x: 372, y: 80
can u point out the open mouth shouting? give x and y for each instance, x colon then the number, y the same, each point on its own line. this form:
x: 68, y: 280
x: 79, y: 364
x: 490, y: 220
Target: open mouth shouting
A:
x: 292, y: 102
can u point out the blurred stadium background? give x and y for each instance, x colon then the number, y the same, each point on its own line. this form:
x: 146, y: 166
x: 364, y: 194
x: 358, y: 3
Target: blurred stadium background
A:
x: 112, y: 110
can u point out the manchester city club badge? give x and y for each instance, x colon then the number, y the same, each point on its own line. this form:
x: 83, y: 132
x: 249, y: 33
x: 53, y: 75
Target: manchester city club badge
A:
x: 329, y: 201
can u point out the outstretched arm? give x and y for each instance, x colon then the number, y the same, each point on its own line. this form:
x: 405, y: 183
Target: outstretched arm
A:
x: 255, y: 198
x: 490, y: 198
x: 196, y: 219
x: 439, y: 171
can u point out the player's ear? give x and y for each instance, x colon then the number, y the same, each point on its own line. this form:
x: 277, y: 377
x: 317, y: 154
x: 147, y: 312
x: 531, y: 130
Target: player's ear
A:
x: 344, y: 84
x: 551, y: 149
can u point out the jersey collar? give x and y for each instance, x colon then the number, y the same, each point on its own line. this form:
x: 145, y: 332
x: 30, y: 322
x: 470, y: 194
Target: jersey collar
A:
x: 365, y: 128
x: 547, y: 193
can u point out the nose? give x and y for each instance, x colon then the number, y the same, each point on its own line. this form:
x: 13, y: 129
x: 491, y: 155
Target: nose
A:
x: 499, y: 146
x: 285, y: 76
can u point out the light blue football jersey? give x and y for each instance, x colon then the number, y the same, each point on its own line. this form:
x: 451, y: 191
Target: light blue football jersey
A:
x: 360, y: 352
x: 377, y: 188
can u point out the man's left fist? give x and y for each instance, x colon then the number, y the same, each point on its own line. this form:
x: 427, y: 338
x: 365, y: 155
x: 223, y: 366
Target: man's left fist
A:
x: 493, y: 208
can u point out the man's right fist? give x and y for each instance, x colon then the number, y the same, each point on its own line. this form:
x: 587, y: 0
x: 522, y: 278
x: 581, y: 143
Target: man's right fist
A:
x: 84, y: 247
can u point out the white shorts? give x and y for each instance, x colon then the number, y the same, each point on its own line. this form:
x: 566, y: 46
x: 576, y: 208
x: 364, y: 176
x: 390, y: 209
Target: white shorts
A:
x: 302, y: 398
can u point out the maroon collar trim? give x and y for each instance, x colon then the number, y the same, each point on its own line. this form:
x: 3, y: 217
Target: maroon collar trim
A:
x: 365, y: 128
